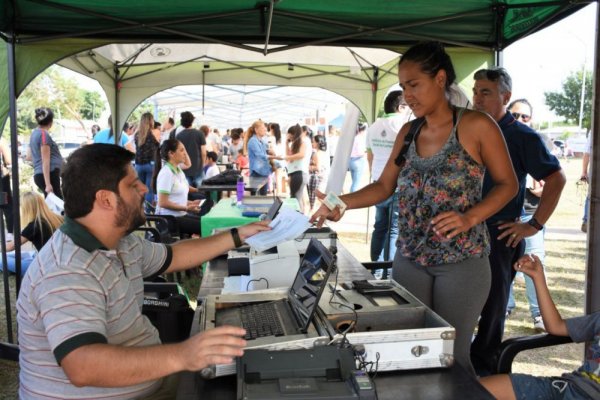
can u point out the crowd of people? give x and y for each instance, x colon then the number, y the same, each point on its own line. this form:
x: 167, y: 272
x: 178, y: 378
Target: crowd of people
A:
x: 461, y: 196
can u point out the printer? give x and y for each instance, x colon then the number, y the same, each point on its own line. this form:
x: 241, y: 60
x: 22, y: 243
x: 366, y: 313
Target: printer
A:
x: 276, y: 266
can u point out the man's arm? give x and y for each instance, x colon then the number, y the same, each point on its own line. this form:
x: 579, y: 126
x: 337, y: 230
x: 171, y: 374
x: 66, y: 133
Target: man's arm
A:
x: 553, y: 186
x: 370, y: 159
x: 193, y: 252
x: 133, y: 365
x: 585, y: 166
x: 532, y: 267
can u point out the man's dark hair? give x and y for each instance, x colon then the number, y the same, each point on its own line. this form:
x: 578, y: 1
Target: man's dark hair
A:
x: 393, y: 101
x: 235, y: 135
x: 212, y: 155
x: 187, y: 118
x: 91, y: 168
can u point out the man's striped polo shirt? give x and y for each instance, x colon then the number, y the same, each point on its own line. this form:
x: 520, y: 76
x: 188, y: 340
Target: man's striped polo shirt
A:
x: 76, y: 293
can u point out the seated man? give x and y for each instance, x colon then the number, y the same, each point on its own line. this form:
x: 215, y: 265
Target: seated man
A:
x: 584, y: 383
x: 81, y: 331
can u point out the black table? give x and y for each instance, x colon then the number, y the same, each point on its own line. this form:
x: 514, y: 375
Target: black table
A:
x: 437, y: 384
x: 252, y: 184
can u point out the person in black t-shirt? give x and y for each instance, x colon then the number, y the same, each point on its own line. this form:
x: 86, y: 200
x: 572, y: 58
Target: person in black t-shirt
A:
x: 40, y: 223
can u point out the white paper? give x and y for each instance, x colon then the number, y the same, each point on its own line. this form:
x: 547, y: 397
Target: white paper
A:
x: 288, y: 225
x: 55, y: 203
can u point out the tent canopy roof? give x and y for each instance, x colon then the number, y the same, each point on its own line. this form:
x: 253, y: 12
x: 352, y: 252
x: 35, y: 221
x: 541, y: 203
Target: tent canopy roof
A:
x: 488, y: 24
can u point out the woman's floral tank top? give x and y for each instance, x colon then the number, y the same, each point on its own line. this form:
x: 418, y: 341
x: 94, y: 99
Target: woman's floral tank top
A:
x: 448, y: 181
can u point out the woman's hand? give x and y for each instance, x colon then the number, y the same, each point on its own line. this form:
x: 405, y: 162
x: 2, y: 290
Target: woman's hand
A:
x: 246, y: 231
x: 323, y: 213
x: 450, y: 223
x: 49, y: 188
x: 193, y: 206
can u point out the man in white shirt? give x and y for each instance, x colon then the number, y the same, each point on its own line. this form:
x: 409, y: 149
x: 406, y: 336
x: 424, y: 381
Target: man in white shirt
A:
x: 380, y: 141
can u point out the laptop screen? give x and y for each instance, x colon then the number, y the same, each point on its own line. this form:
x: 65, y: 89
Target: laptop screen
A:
x: 274, y: 209
x: 310, y: 281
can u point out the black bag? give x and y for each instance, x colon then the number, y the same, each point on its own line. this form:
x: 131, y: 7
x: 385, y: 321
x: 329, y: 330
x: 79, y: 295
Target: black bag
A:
x: 169, y: 311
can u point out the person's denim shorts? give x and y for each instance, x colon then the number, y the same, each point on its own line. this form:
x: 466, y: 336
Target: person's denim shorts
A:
x: 527, y: 387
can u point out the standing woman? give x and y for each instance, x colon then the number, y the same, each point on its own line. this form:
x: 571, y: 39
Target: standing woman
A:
x: 45, y: 155
x: 278, y: 148
x: 173, y: 188
x: 146, y: 148
x: 443, y: 244
x: 256, y: 150
x: 319, y: 168
x: 298, y: 160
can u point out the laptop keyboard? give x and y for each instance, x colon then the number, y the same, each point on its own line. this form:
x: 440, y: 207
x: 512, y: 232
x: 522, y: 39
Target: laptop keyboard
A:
x: 260, y: 320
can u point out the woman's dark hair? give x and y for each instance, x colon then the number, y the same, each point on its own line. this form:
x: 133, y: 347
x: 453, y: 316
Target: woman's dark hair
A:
x: 91, y: 168
x: 44, y: 116
x: 361, y: 127
x: 110, y: 132
x: 274, y: 126
x: 162, y: 153
x: 157, y: 125
x: 432, y: 58
x: 321, y: 143
x: 296, y: 132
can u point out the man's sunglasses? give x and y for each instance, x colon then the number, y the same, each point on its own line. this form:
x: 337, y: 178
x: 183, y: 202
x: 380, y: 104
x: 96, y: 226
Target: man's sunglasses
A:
x: 523, y: 117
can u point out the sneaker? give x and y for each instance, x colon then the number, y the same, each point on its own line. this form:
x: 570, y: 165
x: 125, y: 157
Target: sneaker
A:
x: 538, y: 324
x: 508, y: 312
x: 584, y: 227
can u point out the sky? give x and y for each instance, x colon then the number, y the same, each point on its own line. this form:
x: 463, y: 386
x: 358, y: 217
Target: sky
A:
x: 542, y: 61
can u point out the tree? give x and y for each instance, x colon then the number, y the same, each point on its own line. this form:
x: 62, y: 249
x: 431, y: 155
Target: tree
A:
x: 49, y: 89
x: 92, y: 105
x: 567, y: 102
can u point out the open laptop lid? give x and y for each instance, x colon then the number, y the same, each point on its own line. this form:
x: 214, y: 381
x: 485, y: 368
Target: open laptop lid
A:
x: 274, y: 209
x: 310, y: 281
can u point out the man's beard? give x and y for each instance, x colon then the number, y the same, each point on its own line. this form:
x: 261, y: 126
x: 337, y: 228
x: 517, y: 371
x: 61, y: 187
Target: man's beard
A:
x: 129, y: 217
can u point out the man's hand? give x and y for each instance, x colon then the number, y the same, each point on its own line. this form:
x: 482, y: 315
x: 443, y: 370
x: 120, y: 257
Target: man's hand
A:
x: 251, y: 229
x: 450, y: 223
x: 515, y: 232
x: 214, y: 346
x: 323, y: 213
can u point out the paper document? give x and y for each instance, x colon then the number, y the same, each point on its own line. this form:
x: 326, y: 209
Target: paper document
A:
x: 288, y: 225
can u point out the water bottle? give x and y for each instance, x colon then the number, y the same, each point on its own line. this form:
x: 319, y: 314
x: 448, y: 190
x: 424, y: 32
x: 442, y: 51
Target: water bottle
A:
x: 240, y: 190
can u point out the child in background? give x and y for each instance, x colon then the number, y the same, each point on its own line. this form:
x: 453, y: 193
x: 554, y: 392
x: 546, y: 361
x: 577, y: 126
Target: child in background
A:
x: 40, y: 223
x: 584, y: 383
x: 211, y: 169
x: 242, y: 161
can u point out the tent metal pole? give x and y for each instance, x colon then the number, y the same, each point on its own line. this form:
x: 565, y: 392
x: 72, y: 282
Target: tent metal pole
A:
x: 12, y: 104
x: 592, y: 303
x: 116, y: 120
x: 269, y: 24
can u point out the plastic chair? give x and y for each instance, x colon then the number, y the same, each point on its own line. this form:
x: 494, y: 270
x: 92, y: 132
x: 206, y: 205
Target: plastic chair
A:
x: 513, y: 346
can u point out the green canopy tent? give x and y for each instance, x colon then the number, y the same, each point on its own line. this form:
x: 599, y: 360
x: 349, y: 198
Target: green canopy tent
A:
x: 76, y: 33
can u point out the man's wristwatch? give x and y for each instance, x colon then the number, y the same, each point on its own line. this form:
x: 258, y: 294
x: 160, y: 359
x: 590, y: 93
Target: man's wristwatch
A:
x: 533, y: 222
x: 236, y: 237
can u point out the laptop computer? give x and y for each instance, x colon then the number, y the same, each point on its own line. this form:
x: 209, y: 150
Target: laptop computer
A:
x: 256, y: 210
x: 292, y: 315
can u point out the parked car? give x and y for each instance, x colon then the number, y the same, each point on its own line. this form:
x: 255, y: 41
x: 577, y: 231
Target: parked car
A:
x: 66, y: 148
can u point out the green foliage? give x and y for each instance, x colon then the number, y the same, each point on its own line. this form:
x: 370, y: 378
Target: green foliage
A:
x: 92, y: 105
x: 566, y: 103
x: 59, y: 92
